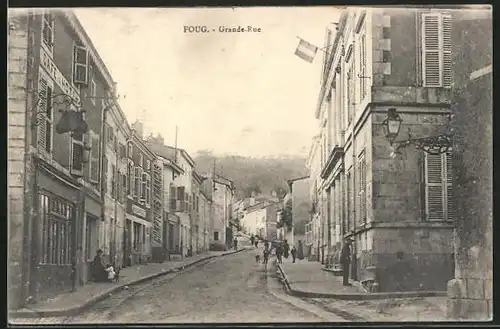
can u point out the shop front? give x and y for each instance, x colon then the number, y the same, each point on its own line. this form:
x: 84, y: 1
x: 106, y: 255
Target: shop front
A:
x: 57, y: 215
x: 137, y: 237
x: 90, y: 236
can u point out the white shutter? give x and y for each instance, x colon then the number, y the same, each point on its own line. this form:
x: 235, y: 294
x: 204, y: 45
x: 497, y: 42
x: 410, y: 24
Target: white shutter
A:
x: 434, y: 192
x: 447, y: 45
x: 48, y: 30
x: 431, y: 50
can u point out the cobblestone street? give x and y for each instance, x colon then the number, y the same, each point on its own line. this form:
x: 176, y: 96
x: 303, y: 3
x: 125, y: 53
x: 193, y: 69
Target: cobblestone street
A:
x: 227, y: 289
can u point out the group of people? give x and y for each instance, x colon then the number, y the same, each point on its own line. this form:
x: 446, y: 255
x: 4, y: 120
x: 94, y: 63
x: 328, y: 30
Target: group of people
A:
x: 101, y: 272
x: 281, y: 248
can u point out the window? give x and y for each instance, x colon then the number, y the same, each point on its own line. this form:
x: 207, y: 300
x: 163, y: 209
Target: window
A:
x: 123, y: 188
x: 362, y: 73
x: 130, y: 150
x: 94, y: 158
x: 362, y: 188
x: 110, y: 134
x: 436, y: 49
x: 144, y: 187
x: 92, y: 90
x: 138, y: 182
x: 137, y: 236
x: 55, y: 215
x: 45, y: 114
x: 131, y: 177
x: 181, y: 199
x: 48, y: 31
x: 105, y: 173
x: 349, y: 202
x: 147, y: 195
x: 141, y: 160
x: 148, y: 165
x: 350, y: 93
x: 113, y: 181
x: 439, y: 203
x: 216, y: 236
x: 80, y: 68
x: 173, y: 198
x: 77, y: 154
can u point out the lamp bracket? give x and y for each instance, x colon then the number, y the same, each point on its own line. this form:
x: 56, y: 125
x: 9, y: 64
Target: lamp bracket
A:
x: 57, y: 99
x: 432, y: 145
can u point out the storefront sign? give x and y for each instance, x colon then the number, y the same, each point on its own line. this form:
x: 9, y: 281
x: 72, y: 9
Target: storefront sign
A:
x: 138, y: 211
x: 51, y: 68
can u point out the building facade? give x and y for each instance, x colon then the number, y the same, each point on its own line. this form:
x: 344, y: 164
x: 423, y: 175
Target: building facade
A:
x: 65, y: 83
x: 222, y: 200
x: 470, y: 292
x: 139, y: 216
x: 314, y: 242
x: 381, y: 59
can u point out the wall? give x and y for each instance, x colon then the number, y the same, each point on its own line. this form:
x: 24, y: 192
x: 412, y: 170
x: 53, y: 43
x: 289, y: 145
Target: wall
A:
x: 470, y: 293
x: 16, y: 143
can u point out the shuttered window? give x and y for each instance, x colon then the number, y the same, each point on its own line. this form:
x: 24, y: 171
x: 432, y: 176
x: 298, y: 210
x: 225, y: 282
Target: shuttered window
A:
x: 362, y: 73
x: 45, y: 114
x: 48, y: 30
x: 80, y: 65
x: 138, y: 183
x: 148, y: 190
x: 77, y: 155
x: 173, y: 198
x: 362, y: 188
x: 436, y: 50
x: 439, y: 203
x: 181, y: 205
x: 131, y: 177
x: 94, y: 158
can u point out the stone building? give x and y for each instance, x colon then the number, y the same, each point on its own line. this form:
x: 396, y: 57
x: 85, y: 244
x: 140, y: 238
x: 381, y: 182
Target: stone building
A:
x: 399, y: 211
x: 65, y: 82
x: 471, y: 291
x: 315, y: 240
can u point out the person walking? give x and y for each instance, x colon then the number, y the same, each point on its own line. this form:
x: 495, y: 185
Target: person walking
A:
x: 300, y: 251
x: 345, y: 260
x: 293, y: 252
x: 235, y: 244
x: 252, y: 240
x: 286, y: 249
x: 279, y: 253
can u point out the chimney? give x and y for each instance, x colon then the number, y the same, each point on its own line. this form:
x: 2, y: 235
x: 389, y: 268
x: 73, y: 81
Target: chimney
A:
x: 139, y: 128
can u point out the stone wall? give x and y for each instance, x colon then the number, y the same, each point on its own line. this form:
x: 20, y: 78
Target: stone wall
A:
x: 16, y: 149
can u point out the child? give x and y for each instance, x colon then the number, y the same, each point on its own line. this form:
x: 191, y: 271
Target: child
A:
x: 294, y: 254
x: 111, y: 272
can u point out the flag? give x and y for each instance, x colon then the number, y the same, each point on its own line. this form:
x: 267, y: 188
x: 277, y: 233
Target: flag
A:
x: 306, y: 51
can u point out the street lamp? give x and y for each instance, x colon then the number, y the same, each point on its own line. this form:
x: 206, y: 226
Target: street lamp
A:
x: 86, y: 153
x: 392, y: 125
x: 432, y: 145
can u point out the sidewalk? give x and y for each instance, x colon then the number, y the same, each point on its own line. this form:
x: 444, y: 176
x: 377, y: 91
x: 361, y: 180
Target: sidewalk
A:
x: 70, y: 303
x: 307, y: 279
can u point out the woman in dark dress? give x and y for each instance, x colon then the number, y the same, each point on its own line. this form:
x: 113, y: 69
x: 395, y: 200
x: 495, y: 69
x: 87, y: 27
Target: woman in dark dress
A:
x: 98, y: 271
x: 300, y: 251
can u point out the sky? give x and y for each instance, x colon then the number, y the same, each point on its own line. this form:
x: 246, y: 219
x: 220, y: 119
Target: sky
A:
x: 229, y: 93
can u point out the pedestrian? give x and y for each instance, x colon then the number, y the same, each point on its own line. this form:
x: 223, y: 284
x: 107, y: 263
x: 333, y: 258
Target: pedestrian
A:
x: 300, y: 251
x: 345, y: 259
x: 266, y: 255
x: 252, y: 240
x: 293, y: 252
x: 97, y: 268
x: 286, y: 249
x: 279, y: 253
x: 110, y: 272
x: 235, y: 244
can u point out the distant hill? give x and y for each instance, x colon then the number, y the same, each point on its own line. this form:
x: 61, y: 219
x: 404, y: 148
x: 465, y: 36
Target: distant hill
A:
x: 261, y: 175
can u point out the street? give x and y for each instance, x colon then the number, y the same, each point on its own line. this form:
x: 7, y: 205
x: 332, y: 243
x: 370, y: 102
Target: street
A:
x: 227, y: 289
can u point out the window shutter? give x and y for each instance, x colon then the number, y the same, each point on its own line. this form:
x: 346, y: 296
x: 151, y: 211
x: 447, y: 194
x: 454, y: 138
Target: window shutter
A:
x: 173, y: 198
x: 137, y: 176
x: 431, y: 50
x: 94, y: 164
x: 105, y: 173
x: 80, y: 72
x: 447, y: 45
x: 131, y: 173
x: 450, y: 200
x: 48, y: 30
x: 77, y: 157
x: 42, y: 110
x: 434, y: 187
x: 124, y: 187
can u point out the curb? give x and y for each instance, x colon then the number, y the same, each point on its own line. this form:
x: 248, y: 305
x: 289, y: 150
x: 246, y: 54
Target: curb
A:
x: 78, y: 309
x: 358, y: 296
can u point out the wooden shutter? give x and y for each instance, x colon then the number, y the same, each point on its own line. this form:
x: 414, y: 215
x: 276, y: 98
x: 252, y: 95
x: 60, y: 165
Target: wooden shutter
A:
x: 431, y: 61
x: 94, y: 162
x: 48, y: 30
x: 434, y: 187
x: 137, y: 179
x: 180, y: 197
x: 450, y: 200
x: 80, y: 69
x: 42, y: 109
x: 148, y: 189
x: 105, y: 173
x: 173, y: 198
x: 447, y: 45
x: 131, y: 177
